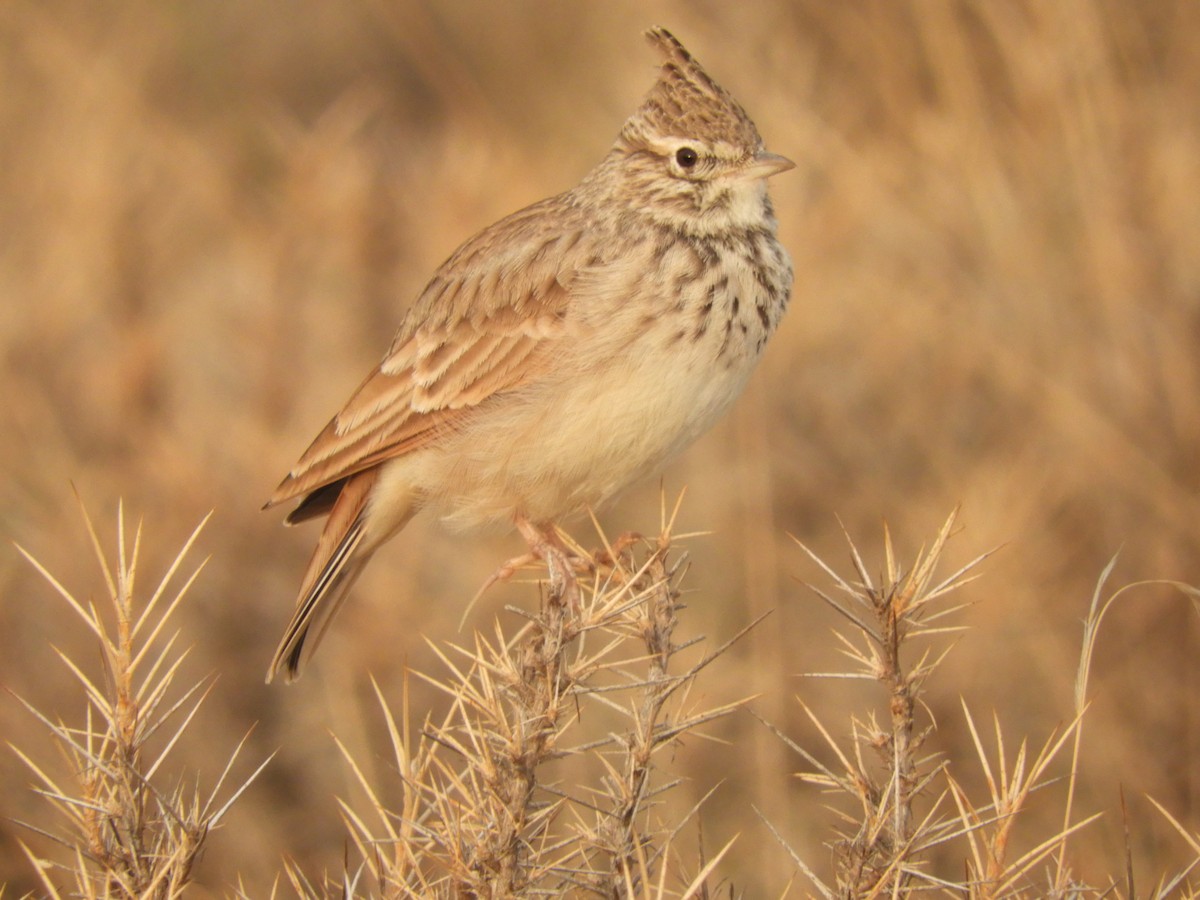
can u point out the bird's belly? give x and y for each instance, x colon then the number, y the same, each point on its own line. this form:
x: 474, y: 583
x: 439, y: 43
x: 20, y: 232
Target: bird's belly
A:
x: 560, y: 448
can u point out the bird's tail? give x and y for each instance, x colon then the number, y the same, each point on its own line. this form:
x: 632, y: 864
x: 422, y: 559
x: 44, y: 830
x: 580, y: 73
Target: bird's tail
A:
x: 339, y: 558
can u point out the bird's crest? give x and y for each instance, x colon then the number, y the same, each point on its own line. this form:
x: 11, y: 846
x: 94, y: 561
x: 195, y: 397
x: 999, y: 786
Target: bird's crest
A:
x: 686, y: 102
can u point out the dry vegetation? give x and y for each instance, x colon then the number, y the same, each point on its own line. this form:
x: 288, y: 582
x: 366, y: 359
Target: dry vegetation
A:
x: 211, y: 216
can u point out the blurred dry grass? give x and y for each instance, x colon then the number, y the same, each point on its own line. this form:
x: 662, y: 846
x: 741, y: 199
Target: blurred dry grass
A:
x: 212, y: 215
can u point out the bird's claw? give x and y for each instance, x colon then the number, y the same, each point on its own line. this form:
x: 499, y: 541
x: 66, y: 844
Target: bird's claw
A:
x: 609, y: 557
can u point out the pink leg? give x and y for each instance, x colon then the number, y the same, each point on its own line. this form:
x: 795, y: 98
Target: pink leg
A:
x: 544, y: 545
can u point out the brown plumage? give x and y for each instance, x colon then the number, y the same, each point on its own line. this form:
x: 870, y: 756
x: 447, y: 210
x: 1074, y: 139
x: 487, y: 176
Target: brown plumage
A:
x: 561, y: 353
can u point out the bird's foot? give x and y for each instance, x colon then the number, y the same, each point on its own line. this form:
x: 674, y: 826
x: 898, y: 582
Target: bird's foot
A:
x: 609, y: 556
x: 545, y: 544
x: 547, y: 547
x: 506, y: 571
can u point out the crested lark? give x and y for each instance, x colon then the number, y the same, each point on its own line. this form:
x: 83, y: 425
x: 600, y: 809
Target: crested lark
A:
x: 562, y: 353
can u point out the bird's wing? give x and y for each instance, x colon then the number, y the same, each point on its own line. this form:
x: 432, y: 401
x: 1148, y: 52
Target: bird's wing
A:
x: 485, y: 324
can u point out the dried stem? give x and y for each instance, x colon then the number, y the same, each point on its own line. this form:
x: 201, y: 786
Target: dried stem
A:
x: 481, y: 816
x: 125, y: 835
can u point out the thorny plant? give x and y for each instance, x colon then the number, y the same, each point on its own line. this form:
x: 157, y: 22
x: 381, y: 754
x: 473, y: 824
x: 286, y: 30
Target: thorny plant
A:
x: 884, y: 841
x: 485, y: 810
x: 491, y: 802
x: 124, y: 833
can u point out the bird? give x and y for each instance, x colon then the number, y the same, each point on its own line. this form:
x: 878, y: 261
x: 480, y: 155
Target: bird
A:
x: 562, y: 353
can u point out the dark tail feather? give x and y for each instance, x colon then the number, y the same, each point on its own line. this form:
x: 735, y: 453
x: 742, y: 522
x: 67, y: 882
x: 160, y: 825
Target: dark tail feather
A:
x: 336, y: 563
x: 316, y: 610
x: 318, y: 503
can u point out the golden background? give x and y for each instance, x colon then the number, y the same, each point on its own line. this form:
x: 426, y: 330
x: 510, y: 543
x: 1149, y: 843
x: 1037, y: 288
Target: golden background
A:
x: 212, y: 216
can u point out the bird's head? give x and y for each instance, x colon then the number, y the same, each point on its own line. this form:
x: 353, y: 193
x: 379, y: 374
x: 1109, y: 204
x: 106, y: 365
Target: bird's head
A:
x: 690, y: 156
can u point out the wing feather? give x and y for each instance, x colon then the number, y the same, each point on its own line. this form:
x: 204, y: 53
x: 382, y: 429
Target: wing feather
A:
x: 466, y: 339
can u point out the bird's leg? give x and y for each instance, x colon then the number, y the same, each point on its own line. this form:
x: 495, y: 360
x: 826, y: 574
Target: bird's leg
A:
x: 548, y: 548
x: 545, y: 545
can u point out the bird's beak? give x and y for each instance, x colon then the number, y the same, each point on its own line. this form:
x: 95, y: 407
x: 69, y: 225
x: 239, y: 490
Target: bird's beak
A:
x: 765, y: 164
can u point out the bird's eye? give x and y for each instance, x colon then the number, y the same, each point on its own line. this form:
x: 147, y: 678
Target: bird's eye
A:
x: 686, y: 157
